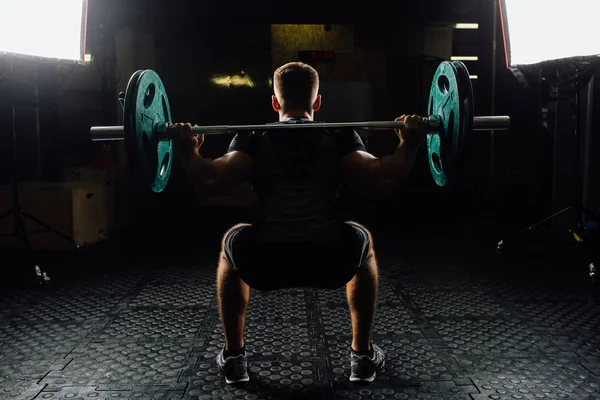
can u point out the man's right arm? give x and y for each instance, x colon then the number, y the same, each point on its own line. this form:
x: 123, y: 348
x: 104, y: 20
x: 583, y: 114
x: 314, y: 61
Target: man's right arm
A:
x: 379, y: 177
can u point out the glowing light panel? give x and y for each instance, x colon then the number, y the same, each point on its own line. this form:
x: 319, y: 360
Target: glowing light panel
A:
x: 542, y: 30
x: 236, y: 80
x: 466, y: 26
x: 43, y: 28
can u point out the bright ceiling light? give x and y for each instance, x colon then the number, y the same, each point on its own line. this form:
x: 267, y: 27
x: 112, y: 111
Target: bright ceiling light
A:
x: 464, y: 58
x: 541, y: 30
x: 43, y: 28
x: 466, y: 26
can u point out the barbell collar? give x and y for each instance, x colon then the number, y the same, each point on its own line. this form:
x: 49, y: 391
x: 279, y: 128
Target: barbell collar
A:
x: 107, y: 133
x: 489, y: 123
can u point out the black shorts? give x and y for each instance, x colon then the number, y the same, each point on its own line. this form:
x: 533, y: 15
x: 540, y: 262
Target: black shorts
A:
x: 273, y: 266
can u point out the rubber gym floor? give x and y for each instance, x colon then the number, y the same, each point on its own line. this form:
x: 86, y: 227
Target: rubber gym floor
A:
x: 455, y: 321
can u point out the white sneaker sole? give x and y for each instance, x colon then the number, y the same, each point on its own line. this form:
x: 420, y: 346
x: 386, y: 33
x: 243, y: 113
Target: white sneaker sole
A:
x: 241, y: 380
x: 357, y: 379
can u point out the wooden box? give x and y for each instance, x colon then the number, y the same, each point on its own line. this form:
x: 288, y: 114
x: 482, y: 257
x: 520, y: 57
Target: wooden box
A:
x: 118, y: 191
x: 78, y: 210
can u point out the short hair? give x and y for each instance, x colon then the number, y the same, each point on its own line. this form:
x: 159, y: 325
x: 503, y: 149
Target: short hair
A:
x: 297, y: 85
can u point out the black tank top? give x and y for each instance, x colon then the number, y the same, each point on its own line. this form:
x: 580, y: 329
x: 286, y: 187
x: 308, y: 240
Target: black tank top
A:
x: 296, y: 178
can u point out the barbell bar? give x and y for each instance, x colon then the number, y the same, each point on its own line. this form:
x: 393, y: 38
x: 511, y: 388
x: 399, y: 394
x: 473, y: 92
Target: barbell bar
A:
x: 147, y: 116
x: 108, y: 133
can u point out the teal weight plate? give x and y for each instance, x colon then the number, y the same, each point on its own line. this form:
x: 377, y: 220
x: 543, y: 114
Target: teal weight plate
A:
x: 445, y: 101
x: 467, y: 104
x: 128, y: 133
x: 147, y: 104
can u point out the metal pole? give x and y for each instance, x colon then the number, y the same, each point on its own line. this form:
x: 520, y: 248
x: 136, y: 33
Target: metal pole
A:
x: 108, y: 133
x: 38, y: 136
x: 375, y: 125
x: 15, y: 178
x: 587, y: 172
x: 557, y: 144
x: 577, y: 164
x: 493, y: 104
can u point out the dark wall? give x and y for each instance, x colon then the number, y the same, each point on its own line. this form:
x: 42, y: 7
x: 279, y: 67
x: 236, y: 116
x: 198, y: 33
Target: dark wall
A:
x: 591, y: 148
x: 397, y: 58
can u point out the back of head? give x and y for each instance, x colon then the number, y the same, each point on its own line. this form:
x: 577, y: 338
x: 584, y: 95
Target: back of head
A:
x: 296, y: 86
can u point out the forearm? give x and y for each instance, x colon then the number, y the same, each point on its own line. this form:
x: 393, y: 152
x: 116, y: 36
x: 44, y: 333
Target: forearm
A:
x: 393, y: 169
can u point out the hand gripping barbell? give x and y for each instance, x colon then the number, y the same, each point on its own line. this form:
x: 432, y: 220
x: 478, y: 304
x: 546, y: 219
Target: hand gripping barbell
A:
x: 147, y: 115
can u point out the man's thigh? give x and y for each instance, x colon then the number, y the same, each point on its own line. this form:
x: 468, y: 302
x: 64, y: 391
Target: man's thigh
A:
x: 237, y: 245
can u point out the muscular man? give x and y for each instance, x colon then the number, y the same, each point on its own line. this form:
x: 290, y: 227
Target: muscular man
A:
x: 298, y: 239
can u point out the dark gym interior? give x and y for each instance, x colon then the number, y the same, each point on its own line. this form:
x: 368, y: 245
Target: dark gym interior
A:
x: 476, y: 300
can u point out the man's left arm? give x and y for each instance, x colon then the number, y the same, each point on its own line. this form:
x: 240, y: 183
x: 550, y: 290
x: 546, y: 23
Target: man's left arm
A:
x: 212, y: 177
x: 219, y: 176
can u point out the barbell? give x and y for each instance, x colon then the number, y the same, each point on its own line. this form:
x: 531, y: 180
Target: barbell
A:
x: 147, y: 115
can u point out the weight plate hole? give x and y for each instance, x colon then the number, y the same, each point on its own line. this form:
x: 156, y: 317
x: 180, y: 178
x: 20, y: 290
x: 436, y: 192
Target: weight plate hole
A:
x: 431, y: 106
x: 165, y: 164
x: 443, y: 84
x: 437, y: 162
x: 149, y: 95
x: 145, y: 140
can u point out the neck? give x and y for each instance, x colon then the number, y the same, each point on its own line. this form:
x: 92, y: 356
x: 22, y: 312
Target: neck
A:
x: 295, y: 114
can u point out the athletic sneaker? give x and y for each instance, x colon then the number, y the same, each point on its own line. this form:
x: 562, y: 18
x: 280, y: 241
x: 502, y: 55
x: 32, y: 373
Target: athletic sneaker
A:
x: 235, y: 368
x: 364, y: 368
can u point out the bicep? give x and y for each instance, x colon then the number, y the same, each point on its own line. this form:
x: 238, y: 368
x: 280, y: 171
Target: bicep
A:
x: 359, y: 167
x: 235, y: 166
